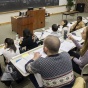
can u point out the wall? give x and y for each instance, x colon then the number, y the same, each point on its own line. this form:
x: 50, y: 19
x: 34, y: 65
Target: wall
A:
x: 6, y: 17
x: 86, y: 4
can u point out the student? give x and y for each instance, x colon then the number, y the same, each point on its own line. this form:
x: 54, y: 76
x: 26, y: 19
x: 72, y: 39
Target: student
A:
x: 10, y: 50
x: 64, y: 23
x: 28, y: 40
x: 55, y: 69
x: 55, y: 31
x: 79, y: 24
x: 79, y: 63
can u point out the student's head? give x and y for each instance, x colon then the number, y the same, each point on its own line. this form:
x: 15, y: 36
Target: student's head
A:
x: 85, y: 37
x: 26, y: 33
x: 64, y: 23
x: 9, y: 43
x: 79, y: 18
x: 51, y: 45
x: 54, y: 27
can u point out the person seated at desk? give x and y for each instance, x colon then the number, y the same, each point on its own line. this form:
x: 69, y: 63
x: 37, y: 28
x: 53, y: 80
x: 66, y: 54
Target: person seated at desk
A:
x: 55, y: 69
x: 64, y: 23
x: 79, y: 63
x: 28, y: 40
x: 55, y: 31
x: 10, y: 50
x: 79, y: 24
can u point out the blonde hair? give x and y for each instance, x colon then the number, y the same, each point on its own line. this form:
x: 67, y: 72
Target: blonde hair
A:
x: 85, y: 45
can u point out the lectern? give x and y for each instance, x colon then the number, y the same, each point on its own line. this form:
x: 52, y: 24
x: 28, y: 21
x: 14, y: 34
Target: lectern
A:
x: 33, y: 20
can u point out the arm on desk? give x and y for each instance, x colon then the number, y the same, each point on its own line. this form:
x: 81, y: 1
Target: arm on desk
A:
x: 33, y: 66
x: 82, y: 61
x: 79, y: 46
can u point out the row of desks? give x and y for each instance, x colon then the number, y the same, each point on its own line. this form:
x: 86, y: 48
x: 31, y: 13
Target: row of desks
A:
x: 29, y: 54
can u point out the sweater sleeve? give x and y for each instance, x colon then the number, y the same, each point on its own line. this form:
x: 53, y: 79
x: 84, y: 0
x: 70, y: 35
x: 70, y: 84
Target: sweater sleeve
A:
x: 79, y: 46
x: 82, y: 61
x: 33, y: 67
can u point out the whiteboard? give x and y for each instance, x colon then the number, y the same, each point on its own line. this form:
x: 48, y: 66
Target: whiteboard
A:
x: 62, y: 2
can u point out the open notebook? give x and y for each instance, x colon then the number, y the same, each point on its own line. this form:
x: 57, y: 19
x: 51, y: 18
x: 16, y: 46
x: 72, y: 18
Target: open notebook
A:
x: 21, y: 61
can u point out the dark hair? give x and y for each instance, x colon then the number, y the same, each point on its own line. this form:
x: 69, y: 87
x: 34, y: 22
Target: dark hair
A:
x: 10, y: 44
x: 54, y: 27
x: 79, y: 17
x: 66, y: 22
x: 26, y: 33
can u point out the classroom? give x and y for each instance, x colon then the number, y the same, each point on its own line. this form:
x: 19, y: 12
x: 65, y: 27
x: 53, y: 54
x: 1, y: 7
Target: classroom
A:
x: 44, y: 44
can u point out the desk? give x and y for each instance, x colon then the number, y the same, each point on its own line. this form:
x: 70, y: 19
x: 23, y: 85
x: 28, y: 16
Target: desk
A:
x: 69, y: 13
x: 38, y: 49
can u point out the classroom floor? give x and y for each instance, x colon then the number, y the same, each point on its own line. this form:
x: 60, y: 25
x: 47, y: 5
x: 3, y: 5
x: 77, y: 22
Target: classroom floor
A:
x: 6, y: 31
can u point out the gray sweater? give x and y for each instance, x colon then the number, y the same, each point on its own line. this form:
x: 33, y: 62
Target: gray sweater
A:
x: 56, y: 70
x: 83, y: 60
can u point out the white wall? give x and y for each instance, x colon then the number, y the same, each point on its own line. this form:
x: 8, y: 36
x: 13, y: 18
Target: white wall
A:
x: 58, y: 9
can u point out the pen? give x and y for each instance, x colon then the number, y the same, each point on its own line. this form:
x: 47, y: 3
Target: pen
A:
x: 18, y: 60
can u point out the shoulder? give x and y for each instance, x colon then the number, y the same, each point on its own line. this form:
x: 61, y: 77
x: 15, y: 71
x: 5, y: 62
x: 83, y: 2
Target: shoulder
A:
x: 81, y: 22
x: 65, y: 54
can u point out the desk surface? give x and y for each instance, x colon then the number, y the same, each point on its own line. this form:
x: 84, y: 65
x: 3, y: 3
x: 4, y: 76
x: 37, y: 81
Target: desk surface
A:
x: 31, y: 52
x: 71, y: 12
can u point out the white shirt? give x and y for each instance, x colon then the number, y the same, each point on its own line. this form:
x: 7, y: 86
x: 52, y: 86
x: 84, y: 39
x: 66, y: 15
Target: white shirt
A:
x: 56, y: 34
x: 8, y: 54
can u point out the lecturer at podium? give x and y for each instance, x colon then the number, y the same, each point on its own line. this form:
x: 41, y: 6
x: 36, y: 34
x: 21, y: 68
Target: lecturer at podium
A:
x: 55, y: 69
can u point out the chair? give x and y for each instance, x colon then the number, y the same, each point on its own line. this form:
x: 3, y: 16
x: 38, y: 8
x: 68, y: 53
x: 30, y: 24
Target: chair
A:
x: 79, y: 83
x: 85, y: 70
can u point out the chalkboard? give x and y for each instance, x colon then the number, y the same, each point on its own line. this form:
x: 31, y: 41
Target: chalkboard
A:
x: 9, y: 5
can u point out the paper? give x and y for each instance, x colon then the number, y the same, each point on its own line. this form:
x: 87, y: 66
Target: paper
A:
x: 39, y: 79
x: 20, y: 64
x: 40, y: 50
x: 28, y: 57
x: 77, y: 38
x: 66, y: 46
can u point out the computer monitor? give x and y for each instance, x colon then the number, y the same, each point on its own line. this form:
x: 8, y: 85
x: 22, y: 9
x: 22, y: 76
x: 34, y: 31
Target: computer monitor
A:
x: 30, y: 8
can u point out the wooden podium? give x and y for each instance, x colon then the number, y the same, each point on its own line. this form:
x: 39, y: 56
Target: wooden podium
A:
x: 35, y: 19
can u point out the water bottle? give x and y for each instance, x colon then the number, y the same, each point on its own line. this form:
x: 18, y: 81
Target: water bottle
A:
x: 17, y: 37
x: 65, y: 32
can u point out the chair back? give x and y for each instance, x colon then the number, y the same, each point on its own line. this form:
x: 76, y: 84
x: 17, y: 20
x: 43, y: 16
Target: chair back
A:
x: 79, y: 83
x: 85, y: 70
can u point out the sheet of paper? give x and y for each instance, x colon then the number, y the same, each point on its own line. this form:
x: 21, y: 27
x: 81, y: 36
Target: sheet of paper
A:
x: 49, y: 30
x: 66, y: 46
x: 77, y: 38
x: 20, y: 64
x: 39, y: 79
x: 41, y: 52
x: 38, y: 34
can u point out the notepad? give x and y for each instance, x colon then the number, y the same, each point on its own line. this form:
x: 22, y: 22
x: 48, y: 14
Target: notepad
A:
x: 40, y: 50
x: 77, y: 38
x: 66, y: 46
x: 20, y: 64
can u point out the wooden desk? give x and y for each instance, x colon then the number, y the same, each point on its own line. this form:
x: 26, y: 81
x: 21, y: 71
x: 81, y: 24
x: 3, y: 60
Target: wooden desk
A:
x: 69, y: 13
x: 33, y: 20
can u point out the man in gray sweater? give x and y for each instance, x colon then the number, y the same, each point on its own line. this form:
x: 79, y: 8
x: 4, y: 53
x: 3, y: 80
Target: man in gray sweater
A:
x: 56, y: 69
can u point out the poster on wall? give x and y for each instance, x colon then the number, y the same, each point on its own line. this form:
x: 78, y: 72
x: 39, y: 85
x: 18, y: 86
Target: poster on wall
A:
x: 9, y: 5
